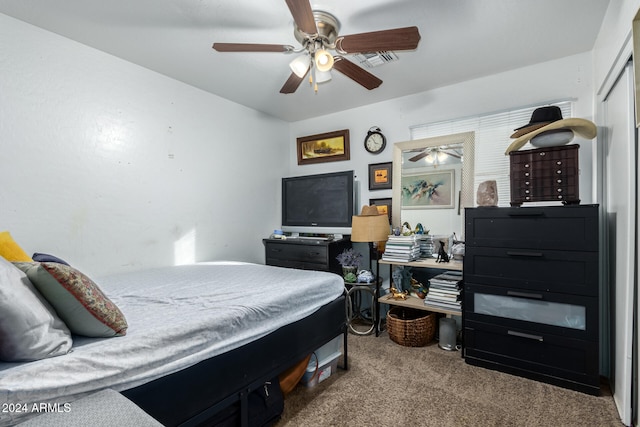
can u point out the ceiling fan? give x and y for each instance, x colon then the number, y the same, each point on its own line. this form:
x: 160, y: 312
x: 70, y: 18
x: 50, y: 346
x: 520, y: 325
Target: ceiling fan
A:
x: 436, y: 154
x: 317, y: 31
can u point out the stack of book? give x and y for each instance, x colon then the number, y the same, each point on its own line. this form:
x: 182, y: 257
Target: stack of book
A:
x: 401, y: 249
x: 444, y: 291
x: 426, y: 245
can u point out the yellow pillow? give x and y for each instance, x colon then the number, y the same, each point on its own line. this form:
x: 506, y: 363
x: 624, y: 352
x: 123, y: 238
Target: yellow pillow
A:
x: 10, y: 250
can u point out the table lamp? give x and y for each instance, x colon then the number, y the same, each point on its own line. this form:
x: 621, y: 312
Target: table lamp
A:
x: 371, y: 226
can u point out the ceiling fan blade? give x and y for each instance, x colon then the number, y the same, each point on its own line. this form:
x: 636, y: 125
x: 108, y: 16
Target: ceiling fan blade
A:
x: 303, y: 15
x: 252, y: 47
x: 356, y: 73
x: 376, y: 41
x: 419, y: 156
x: 292, y: 83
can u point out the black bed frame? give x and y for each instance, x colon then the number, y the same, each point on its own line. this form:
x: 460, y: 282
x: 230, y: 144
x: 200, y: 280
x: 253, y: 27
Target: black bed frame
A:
x: 197, y: 394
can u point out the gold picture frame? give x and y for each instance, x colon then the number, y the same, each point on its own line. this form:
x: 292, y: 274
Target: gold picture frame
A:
x: 323, y: 147
x: 428, y: 190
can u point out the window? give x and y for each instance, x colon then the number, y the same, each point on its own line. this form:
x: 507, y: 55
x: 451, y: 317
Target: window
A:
x: 492, y: 133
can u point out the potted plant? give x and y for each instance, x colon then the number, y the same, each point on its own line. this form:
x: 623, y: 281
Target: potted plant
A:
x: 350, y: 262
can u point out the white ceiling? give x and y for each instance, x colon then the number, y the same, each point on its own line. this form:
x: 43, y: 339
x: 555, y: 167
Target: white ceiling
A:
x: 461, y: 40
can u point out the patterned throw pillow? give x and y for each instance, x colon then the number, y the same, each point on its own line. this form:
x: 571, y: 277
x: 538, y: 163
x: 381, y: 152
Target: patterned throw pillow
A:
x: 77, y: 299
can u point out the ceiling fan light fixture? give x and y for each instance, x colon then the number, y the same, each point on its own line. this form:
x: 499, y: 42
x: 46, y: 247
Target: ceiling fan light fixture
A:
x: 323, y: 76
x: 429, y: 158
x: 300, y: 65
x: 323, y: 60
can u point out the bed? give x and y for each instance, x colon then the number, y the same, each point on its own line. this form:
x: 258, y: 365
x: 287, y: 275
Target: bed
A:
x: 199, y: 339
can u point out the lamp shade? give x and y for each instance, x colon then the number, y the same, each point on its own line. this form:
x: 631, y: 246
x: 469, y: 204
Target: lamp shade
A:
x: 369, y: 228
x: 323, y: 76
x: 323, y: 60
x: 300, y: 65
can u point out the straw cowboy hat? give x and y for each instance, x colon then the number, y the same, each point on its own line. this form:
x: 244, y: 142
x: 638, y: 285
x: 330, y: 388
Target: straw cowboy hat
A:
x: 547, y: 119
x: 369, y: 211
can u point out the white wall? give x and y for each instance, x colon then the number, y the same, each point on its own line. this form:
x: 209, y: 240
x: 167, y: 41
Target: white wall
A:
x: 612, y: 42
x: 114, y: 167
x: 567, y: 78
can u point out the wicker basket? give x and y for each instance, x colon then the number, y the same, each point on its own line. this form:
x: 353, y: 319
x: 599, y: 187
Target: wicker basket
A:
x: 410, y: 327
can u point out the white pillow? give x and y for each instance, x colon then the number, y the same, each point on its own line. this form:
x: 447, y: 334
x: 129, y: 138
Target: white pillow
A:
x: 29, y: 328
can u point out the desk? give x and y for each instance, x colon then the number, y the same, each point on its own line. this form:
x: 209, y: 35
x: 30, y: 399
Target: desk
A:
x: 413, y: 301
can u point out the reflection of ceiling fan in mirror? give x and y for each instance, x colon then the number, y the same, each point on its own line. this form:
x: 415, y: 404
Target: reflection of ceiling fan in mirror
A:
x: 437, y: 155
x: 317, y: 33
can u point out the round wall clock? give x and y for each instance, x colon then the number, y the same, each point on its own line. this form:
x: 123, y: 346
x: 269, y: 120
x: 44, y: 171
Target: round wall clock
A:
x: 375, y: 141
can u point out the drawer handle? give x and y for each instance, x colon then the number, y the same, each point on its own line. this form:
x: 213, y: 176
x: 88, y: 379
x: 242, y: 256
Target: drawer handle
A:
x: 526, y: 212
x: 314, y: 253
x: 523, y: 335
x: 519, y: 253
x: 524, y: 295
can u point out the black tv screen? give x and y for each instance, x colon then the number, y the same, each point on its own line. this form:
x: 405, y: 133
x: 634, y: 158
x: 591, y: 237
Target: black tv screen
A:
x: 322, y: 203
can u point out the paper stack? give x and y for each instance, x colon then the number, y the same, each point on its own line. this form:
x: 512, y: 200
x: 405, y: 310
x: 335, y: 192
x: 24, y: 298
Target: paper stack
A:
x: 444, y: 291
x: 401, y: 249
x: 426, y: 245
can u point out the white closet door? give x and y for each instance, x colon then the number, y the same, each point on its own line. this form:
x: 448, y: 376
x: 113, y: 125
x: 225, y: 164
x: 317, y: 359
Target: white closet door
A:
x: 620, y: 206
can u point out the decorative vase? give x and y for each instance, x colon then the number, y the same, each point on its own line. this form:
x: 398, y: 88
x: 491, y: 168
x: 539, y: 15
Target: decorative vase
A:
x: 346, y: 269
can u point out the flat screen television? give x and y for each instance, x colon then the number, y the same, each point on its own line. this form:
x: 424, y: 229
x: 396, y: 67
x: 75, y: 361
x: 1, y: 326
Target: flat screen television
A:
x: 319, y: 204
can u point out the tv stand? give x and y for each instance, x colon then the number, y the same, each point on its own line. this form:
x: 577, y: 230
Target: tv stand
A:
x: 311, y: 253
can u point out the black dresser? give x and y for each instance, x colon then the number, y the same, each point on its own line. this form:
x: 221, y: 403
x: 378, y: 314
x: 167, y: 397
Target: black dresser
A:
x: 305, y: 253
x: 531, y: 286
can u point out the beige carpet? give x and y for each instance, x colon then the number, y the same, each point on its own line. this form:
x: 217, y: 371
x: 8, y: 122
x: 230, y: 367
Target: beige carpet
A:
x: 391, y: 385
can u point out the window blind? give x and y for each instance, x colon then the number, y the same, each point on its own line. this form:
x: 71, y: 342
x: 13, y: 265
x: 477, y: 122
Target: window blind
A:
x: 492, y: 133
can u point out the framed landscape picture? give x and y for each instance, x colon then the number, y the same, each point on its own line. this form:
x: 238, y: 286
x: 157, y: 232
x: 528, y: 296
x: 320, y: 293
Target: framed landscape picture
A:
x: 324, y: 147
x: 428, y: 190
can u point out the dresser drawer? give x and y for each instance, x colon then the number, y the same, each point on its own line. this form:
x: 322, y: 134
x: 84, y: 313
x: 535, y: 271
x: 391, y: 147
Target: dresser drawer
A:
x: 567, y: 272
x: 559, y: 360
x: 297, y: 253
x: 307, y: 254
x: 547, y: 186
x: 569, y: 316
x: 572, y: 227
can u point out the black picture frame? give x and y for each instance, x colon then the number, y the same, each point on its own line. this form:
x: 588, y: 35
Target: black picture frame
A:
x: 383, y: 206
x: 380, y: 176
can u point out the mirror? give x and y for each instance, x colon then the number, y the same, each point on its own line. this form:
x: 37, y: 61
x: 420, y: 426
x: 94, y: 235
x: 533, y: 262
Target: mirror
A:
x: 433, y: 181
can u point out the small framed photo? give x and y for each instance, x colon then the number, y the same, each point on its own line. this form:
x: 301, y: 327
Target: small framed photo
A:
x: 383, y: 206
x: 380, y: 176
x: 323, y: 147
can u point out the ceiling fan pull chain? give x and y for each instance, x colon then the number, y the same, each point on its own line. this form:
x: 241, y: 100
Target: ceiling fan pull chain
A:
x: 315, y: 82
